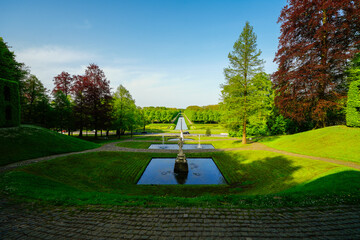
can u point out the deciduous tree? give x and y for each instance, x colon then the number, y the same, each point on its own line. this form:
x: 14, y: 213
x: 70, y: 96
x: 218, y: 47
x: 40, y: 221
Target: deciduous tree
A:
x: 63, y: 82
x: 124, y: 108
x: 33, y: 93
x: 10, y: 69
x: 81, y: 112
x: 97, y: 91
x: 318, y: 38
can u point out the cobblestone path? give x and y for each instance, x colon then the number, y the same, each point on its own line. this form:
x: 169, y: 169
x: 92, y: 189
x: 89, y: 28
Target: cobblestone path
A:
x: 18, y: 222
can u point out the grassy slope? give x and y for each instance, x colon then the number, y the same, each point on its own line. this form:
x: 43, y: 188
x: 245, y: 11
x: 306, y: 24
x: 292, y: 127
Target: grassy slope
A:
x: 26, y: 142
x: 254, y: 177
x: 339, y: 142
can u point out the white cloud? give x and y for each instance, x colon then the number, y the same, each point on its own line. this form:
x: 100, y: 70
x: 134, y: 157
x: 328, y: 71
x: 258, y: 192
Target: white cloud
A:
x: 53, y: 55
x: 148, y: 86
x: 48, y: 61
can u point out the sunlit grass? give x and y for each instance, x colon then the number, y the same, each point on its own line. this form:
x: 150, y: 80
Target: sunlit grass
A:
x: 254, y: 178
x: 339, y: 142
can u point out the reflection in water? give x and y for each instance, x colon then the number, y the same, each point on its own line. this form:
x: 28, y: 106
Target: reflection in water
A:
x: 201, y: 171
x: 181, y: 177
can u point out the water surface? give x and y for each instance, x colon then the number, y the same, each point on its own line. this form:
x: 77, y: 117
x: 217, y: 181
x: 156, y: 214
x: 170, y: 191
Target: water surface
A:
x: 181, y: 121
x: 201, y: 171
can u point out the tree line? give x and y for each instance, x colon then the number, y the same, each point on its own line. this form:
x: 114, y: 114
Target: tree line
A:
x: 317, y: 57
x: 77, y: 102
x: 205, y: 114
x: 160, y: 114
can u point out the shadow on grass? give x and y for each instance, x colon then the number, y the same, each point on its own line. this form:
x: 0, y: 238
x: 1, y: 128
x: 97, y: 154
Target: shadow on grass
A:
x: 256, y: 173
x: 345, y: 182
x: 258, y: 179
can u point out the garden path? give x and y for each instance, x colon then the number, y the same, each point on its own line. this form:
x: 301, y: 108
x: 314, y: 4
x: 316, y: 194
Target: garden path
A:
x: 112, y: 147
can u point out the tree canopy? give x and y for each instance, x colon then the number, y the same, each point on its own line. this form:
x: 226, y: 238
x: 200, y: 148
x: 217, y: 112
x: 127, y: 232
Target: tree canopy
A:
x: 10, y: 69
x: 318, y: 38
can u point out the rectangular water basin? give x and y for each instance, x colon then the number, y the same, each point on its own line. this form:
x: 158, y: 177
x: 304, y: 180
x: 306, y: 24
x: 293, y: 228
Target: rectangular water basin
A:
x: 185, y: 146
x: 201, y: 171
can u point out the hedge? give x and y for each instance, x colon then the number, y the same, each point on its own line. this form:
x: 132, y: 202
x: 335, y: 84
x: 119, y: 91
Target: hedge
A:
x: 353, y: 105
x: 9, y: 103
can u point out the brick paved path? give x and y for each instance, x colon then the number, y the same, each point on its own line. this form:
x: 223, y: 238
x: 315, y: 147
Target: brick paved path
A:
x: 18, y: 222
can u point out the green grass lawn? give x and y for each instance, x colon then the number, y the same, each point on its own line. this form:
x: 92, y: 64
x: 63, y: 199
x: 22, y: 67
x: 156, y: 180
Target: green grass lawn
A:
x: 26, y: 142
x: 138, y: 145
x: 159, y: 127
x: 193, y: 128
x: 256, y: 179
x: 338, y: 142
x: 103, y: 140
x: 217, y: 144
x: 201, y: 128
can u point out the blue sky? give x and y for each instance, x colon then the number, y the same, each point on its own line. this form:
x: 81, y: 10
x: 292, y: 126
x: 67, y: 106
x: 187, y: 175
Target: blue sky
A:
x: 166, y: 53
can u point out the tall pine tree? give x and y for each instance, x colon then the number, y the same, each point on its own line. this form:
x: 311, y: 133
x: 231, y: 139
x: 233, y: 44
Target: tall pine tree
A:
x: 239, y: 93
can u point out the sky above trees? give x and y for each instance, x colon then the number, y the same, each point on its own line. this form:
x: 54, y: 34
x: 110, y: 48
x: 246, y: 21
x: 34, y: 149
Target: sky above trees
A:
x: 166, y: 53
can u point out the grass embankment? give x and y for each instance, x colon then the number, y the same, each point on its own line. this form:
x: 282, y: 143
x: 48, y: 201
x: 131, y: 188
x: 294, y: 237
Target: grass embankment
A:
x: 26, y: 142
x: 201, y: 128
x: 338, y: 142
x: 256, y: 179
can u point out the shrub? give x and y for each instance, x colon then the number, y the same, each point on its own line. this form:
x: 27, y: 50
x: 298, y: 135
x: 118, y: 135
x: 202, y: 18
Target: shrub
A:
x: 353, y: 105
x: 9, y: 103
x: 208, y: 132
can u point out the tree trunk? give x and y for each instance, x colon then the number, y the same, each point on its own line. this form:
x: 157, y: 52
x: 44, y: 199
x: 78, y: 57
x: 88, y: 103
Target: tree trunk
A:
x: 118, y: 133
x: 107, y: 133
x: 95, y: 133
x: 80, y: 132
x: 244, y: 131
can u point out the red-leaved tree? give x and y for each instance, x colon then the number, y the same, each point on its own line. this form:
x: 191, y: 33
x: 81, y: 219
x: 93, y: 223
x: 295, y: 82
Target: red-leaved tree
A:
x: 97, y: 94
x: 79, y: 91
x: 318, y: 38
x: 63, y: 82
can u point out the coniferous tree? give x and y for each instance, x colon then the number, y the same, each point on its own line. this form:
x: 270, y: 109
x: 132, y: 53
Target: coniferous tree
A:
x: 239, y: 93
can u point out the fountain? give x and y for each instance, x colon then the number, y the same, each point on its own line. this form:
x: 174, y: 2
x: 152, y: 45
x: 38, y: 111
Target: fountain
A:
x: 199, y: 145
x: 163, y: 144
x: 184, y: 171
x: 181, y: 165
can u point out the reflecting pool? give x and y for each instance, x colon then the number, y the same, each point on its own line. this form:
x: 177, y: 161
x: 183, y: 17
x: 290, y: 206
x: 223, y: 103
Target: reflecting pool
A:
x: 201, y: 171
